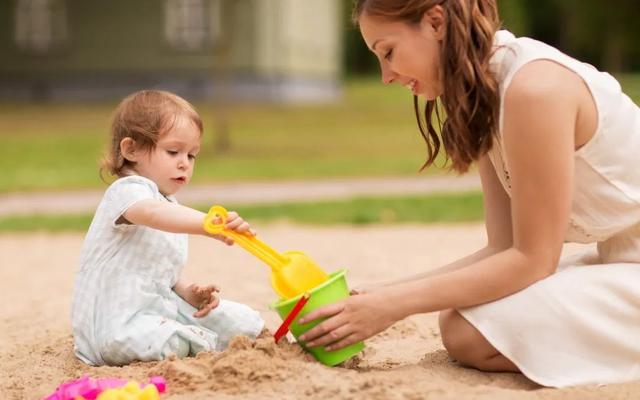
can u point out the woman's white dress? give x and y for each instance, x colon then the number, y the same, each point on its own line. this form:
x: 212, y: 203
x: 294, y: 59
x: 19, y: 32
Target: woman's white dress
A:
x: 582, y: 324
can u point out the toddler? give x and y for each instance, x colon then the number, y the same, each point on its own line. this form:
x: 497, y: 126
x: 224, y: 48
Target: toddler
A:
x: 129, y: 301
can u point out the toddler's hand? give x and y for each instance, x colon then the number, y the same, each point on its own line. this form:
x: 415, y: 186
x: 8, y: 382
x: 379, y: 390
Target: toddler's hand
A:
x: 204, y: 299
x: 236, y: 223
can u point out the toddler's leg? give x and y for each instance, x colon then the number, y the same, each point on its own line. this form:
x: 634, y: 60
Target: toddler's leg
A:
x: 152, y: 338
x: 228, y: 320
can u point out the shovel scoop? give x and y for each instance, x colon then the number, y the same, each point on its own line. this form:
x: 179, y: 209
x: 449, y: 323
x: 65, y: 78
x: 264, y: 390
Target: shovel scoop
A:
x: 292, y: 272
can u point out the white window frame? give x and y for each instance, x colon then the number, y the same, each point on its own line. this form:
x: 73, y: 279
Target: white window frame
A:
x: 40, y: 25
x: 192, y: 25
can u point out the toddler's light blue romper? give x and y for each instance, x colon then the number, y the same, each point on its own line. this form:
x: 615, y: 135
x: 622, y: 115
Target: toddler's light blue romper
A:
x: 123, y: 307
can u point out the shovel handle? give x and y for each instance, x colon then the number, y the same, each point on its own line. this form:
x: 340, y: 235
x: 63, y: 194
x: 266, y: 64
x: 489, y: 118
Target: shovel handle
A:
x: 248, y: 242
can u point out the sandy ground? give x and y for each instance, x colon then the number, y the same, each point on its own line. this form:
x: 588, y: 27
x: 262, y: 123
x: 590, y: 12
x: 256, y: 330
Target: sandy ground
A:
x: 406, y: 361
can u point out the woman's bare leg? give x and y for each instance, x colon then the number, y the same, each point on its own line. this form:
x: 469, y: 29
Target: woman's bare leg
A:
x: 467, y: 345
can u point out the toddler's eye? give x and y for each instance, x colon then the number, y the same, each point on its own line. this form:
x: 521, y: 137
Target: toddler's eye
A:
x: 172, y: 152
x: 388, y: 55
x: 192, y: 156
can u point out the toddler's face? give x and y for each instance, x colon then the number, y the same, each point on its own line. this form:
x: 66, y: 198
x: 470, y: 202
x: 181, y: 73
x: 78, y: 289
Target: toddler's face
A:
x: 170, y: 164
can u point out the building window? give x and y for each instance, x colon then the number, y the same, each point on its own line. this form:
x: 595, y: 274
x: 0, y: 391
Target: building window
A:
x: 192, y: 24
x: 41, y: 25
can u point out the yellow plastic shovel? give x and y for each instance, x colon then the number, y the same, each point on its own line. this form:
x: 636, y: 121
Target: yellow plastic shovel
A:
x: 292, y: 272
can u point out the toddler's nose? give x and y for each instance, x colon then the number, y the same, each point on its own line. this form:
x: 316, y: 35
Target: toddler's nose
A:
x: 183, y: 162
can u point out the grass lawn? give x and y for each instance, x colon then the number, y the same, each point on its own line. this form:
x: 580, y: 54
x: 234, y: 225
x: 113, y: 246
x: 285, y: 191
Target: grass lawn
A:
x: 631, y: 85
x: 371, y: 131
x: 444, y: 208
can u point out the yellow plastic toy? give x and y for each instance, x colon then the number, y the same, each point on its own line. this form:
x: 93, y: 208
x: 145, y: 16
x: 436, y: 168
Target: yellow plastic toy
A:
x: 292, y: 272
x: 131, y: 391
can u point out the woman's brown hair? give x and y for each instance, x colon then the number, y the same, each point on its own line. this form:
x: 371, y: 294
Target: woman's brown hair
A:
x: 144, y: 116
x: 471, y: 99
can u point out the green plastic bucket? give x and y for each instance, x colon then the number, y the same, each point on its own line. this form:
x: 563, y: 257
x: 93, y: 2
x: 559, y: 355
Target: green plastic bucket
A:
x: 330, y: 291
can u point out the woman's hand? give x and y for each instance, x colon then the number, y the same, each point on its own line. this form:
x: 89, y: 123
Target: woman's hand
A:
x: 349, y: 321
x: 202, y: 297
x: 366, y: 288
x: 235, y: 223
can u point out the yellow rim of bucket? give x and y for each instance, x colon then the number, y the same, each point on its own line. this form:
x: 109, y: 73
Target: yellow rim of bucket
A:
x: 334, y: 275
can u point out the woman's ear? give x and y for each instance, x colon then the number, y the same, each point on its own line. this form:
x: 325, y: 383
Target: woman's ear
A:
x: 434, y: 20
x: 128, y: 149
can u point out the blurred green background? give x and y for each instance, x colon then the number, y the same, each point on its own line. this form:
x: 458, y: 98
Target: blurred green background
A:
x: 53, y: 135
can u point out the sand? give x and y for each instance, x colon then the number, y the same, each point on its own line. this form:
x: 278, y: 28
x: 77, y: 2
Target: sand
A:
x: 407, y: 361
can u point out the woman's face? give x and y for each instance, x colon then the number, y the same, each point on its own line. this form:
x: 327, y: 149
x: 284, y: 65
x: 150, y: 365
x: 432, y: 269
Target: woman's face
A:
x: 408, y: 54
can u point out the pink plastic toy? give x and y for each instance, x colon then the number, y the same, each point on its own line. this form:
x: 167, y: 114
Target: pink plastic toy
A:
x: 89, y: 388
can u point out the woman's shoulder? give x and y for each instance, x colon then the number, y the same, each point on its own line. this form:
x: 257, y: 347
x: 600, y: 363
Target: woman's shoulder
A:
x: 510, y: 53
x: 530, y: 71
x: 543, y: 96
x: 513, y: 55
x: 544, y: 79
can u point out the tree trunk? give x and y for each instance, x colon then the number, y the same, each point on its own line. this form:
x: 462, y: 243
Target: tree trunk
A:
x: 222, y: 78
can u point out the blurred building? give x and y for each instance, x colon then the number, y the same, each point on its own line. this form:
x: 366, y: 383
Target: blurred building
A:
x: 281, y: 50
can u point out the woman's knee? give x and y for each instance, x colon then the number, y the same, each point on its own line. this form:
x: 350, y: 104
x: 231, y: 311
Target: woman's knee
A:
x: 452, y: 333
x: 462, y: 340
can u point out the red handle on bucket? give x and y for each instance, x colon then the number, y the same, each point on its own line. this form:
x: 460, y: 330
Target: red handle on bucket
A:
x: 282, y: 330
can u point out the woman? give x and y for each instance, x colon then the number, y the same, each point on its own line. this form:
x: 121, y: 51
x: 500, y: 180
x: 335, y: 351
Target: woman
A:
x: 555, y: 143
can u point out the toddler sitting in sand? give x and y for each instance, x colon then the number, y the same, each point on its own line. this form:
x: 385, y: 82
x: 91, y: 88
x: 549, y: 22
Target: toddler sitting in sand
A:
x: 129, y: 301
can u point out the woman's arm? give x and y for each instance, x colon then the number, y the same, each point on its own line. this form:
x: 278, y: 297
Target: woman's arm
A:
x: 460, y: 263
x: 541, y: 108
x: 497, y: 211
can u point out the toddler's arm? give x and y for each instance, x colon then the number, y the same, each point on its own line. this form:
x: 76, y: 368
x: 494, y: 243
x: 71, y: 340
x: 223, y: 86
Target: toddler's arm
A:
x: 176, y: 218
